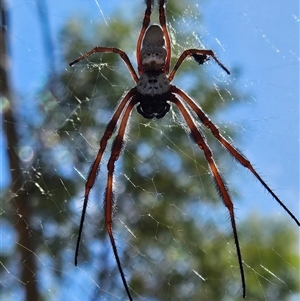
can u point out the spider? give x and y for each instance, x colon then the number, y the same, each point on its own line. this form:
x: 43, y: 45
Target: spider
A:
x: 152, y: 95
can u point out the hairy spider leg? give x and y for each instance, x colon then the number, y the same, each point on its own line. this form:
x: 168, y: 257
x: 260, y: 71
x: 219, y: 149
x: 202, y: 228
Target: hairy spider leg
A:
x: 191, y: 52
x: 231, y: 149
x: 95, y: 167
x: 145, y: 25
x: 108, y: 198
x: 162, y: 20
x: 220, y: 182
x: 121, y: 53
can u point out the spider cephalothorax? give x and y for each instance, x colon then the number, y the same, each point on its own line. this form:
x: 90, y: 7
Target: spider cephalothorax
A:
x: 153, y: 94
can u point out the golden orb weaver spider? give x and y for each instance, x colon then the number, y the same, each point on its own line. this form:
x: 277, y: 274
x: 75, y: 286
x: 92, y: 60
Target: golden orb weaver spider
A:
x: 152, y: 94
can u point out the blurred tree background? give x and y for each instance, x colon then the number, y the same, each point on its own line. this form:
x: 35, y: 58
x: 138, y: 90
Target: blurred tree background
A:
x: 172, y: 230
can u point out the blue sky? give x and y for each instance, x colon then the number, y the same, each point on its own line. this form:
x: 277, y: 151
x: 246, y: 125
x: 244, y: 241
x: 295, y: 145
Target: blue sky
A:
x: 261, y: 38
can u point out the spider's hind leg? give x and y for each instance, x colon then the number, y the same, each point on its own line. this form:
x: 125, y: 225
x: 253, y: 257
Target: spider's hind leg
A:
x: 163, y: 23
x: 145, y: 25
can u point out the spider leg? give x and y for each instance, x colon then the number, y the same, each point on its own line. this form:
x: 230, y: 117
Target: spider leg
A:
x: 191, y: 52
x: 231, y: 149
x: 145, y: 25
x: 95, y: 167
x: 162, y: 20
x: 121, y: 53
x: 220, y: 183
x: 108, y: 199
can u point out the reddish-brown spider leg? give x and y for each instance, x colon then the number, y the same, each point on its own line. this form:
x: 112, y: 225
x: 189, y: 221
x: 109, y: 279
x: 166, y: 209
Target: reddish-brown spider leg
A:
x: 162, y: 20
x: 108, y: 199
x: 145, y: 25
x: 95, y: 167
x: 190, y: 52
x: 231, y: 149
x: 220, y: 183
x: 122, y: 54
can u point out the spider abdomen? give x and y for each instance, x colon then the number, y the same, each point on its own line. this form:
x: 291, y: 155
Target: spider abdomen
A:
x: 153, y: 52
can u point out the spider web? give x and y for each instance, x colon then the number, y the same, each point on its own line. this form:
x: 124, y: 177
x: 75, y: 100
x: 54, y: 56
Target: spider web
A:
x: 172, y: 230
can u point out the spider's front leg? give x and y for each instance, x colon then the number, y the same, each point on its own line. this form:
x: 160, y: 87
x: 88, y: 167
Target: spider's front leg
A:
x: 95, y: 167
x: 220, y: 183
x: 233, y: 151
x: 108, y: 197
